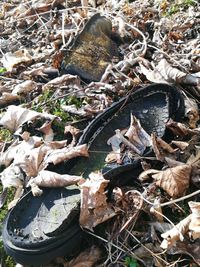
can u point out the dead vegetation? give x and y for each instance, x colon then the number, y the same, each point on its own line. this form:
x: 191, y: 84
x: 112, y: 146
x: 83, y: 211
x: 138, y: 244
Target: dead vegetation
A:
x: 153, y: 222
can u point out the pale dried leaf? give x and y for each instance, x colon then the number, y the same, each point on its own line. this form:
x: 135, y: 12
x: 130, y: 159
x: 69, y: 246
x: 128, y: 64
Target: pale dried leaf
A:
x: 175, y: 234
x: 165, y: 73
x: 47, y: 130
x: 146, y: 175
x: 174, y: 180
x: 12, y: 176
x: 16, y: 116
x: 115, y: 155
x: 73, y: 132
x: 94, y: 206
x: 180, y: 144
x: 137, y: 135
x: 11, y: 60
x: 190, y: 225
x: 59, y: 155
x: 51, y: 179
x: 64, y: 80
x: 24, y: 87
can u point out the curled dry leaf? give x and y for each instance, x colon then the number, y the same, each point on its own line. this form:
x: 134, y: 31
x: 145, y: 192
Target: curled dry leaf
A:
x: 180, y: 129
x: 137, y: 135
x: 94, y: 206
x: 165, y: 73
x: 73, y: 134
x: 189, y: 225
x: 51, y: 179
x: 59, y: 155
x: 180, y: 144
x: 161, y: 148
x: 11, y: 60
x: 47, y: 130
x: 16, y: 116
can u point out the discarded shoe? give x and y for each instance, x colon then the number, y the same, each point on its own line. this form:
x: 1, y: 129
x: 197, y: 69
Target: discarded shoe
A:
x: 41, y: 228
x: 92, y: 51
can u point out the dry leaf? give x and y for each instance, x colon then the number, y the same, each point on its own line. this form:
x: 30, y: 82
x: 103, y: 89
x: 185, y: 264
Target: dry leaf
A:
x: 16, y: 116
x: 192, y: 112
x: 180, y: 129
x: 24, y: 87
x: 59, y: 155
x: 165, y: 73
x: 137, y: 135
x: 64, y: 80
x: 189, y: 225
x: 146, y: 175
x: 11, y: 60
x: 115, y: 155
x: 94, y: 206
x: 73, y: 133
x: 7, y: 99
x: 174, y: 181
x: 51, y: 179
x: 180, y: 144
x: 47, y: 131
x: 86, y: 258
x: 161, y: 148
x: 157, y: 210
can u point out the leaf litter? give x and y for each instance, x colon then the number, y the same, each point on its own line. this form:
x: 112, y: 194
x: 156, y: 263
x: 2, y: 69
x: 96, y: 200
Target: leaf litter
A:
x: 148, y: 221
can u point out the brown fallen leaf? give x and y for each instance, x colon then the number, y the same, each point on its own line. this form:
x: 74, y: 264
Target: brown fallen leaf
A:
x: 87, y: 258
x: 161, y: 148
x: 7, y: 99
x: 174, y: 180
x: 51, y: 179
x: 180, y: 144
x: 190, y: 225
x: 59, y: 155
x: 94, y: 206
x: 180, y: 129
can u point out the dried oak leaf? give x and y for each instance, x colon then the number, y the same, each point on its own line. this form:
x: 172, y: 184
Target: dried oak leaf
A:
x: 73, y: 133
x: 51, y: 179
x: 16, y: 116
x: 189, y: 225
x: 94, y: 206
x: 47, y: 130
x: 24, y: 88
x: 115, y: 142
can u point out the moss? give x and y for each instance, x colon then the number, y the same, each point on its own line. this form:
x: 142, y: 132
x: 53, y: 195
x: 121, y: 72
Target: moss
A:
x: 5, y: 135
